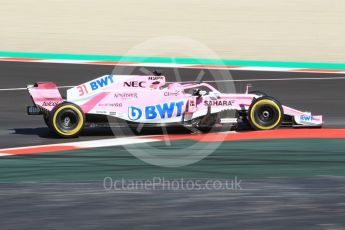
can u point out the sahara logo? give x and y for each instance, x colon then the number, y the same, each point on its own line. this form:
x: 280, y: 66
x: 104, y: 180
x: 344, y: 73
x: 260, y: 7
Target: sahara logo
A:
x: 219, y: 103
x: 165, y: 110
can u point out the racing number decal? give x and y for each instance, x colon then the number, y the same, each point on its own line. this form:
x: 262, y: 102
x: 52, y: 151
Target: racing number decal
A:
x: 94, y: 85
x: 82, y: 90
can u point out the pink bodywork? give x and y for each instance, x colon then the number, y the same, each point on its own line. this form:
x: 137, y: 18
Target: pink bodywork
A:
x: 148, y: 99
x: 45, y: 95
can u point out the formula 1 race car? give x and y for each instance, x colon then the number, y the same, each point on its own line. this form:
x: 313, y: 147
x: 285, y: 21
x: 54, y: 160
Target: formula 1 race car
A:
x: 136, y: 99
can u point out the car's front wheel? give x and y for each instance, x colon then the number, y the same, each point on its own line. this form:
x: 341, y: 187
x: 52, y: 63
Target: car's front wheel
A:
x: 265, y: 113
x: 67, y: 120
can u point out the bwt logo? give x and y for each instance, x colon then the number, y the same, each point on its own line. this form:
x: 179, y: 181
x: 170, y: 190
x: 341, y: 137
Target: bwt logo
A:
x: 306, y: 118
x: 134, y: 84
x: 165, y: 110
x: 100, y: 83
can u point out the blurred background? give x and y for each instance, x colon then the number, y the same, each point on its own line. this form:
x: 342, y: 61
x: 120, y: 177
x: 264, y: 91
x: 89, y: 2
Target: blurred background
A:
x: 293, y: 30
x: 287, y: 183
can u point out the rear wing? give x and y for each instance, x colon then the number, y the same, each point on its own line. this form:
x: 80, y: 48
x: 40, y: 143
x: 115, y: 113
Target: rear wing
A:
x: 45, y: 96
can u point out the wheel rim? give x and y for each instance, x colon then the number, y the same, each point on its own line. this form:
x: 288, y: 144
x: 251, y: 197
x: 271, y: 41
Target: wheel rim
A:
x: 67, y: 120
x: 265, y: 114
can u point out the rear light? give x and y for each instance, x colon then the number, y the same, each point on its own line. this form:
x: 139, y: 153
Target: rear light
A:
x: 33, y: 110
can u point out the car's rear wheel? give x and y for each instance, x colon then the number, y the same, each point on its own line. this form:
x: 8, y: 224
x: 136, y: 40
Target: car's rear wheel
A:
x: 67, y: 120
x: 265, y: 113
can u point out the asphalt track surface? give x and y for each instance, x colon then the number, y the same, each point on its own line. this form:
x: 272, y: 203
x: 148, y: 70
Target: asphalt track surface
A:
x: 266, y: 203
x: 324, y: 97
x: 312, y: 203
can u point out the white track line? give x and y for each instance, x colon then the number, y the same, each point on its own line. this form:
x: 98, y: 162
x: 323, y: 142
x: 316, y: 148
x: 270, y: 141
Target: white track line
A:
x: 62, y: 61
x: 293, y: 79
x: 267, y: 79
x: 111, y: 142
x: 12, y: 89
x: 262, y: 68
x: 15, y: 89
x: 84, y: 144
x: 87, y: 144
x: 229, y: 80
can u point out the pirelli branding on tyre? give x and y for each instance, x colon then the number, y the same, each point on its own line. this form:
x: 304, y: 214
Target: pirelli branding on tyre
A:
x: 67, y: 120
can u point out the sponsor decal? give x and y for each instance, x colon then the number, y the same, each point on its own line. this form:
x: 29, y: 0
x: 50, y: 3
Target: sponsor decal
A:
x: 33, y: 110
x: 191, y: 103
x: 134, y: 113
x: 306, y: 118
x: 172, y: 94
x: 50, y: 103
x: 111, y: 105
x: 228, y: 120
x: 101, y: 112
x: 82, y: 89
x: 155, y: 78
x: 125, y: 95
x: 112, y: 113
x: 218, y: 103
x: 47, y: 99
x: 162, y: 111
x: 134, y: 84
x: 102, y: 82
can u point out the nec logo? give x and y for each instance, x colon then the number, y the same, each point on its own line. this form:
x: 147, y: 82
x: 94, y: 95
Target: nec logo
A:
x: 134, y: 84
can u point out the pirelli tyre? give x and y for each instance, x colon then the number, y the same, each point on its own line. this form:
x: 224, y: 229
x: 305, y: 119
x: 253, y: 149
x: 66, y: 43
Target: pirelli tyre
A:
x: 67, y: 120
x: 265, y: 113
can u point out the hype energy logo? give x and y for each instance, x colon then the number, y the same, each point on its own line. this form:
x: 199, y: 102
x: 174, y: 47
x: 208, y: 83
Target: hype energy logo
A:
x: 161, y: 111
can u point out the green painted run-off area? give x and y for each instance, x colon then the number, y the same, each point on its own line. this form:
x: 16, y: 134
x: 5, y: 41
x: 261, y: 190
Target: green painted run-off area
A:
x: 244, y: 159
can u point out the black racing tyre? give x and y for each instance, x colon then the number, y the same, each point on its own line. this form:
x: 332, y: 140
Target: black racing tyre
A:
x: 265, y: 113
x: 67, y: 120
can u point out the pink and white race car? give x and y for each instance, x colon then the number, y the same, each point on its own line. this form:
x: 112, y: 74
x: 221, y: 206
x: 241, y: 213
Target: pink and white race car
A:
x: 136, y: 99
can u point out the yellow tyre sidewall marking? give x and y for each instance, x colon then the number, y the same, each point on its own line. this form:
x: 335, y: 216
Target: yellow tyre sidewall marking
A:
x: 76, y: 129
x: 269, y: 102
